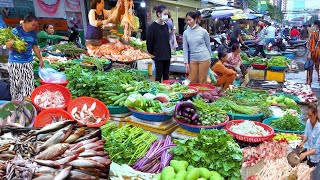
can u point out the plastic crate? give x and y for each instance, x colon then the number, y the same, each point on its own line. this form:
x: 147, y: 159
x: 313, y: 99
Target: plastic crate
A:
x: 275, y: 76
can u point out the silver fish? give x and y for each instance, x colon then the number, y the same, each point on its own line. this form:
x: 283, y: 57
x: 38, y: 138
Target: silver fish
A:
x: 81, y: 176
x: 85, y: 163
x: 73, y: 137
x: 46, y: 170
x: 27, y: 113
x: 53, y: 127
x: 63, y: 174
x: 49, y: 163
x: 22, y: 119
x: 58, y: 137
x: 53, y: 151
x: 92, y: 134
x: 44, y: 177
x: 67, y: 159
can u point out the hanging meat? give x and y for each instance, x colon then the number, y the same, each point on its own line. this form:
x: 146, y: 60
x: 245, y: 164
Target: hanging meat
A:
x: 123, y: 14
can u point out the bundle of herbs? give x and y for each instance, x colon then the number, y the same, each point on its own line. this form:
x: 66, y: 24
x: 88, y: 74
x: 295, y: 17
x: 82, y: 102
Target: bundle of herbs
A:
x: 6, y: 35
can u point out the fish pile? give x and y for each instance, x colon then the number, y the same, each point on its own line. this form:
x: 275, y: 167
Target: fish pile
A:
x: 85, y: 115
x: 49, y: 99
x: 18, y: 114
x: 60, y: 152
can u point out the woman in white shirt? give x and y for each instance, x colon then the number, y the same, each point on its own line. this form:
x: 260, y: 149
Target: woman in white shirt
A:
x: 97, y: 17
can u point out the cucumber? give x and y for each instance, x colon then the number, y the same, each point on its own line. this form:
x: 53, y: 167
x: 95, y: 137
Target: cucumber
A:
x: 139, y: 109
x: 117, y: 97
x: 120, y: 100
x: 121, y: 103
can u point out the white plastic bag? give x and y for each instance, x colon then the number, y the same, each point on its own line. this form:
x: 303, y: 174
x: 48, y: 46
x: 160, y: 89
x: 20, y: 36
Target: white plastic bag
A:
x: 52, y: 76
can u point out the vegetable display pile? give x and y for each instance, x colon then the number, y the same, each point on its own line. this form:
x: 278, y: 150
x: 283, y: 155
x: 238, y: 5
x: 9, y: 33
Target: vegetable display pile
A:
x: 18, y: 114
x: 230, y: 106
x: 186, y: 112
x: 156, y: 158
x: 124, y: 171
x: 278, y: 61
x: 210, y: 96
x: 179, y: 170
x: 6, y: 35
x: 288, y: 122
x: 213, y: 149
x: 266, y: 151
x: 280, y: 101
x: 138, y: 43
x: 48, y: 99
x: 208, y: 114
x: 258, y: 60
x: 177, y: 87
x: 245, y: 58
x: 68, y: 49
x: 249, y: 128
x: 143, y: 104
x: 127, y: 144
x: 99, y: 62
x: 286, y: 137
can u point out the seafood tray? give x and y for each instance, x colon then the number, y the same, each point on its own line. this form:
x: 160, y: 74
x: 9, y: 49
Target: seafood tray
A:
x: 60, y: 150
x: 258, y: 84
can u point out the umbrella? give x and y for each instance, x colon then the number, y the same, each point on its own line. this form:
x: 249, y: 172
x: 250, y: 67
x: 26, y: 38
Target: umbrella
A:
x: 221, y: 16
x: 239, y: 16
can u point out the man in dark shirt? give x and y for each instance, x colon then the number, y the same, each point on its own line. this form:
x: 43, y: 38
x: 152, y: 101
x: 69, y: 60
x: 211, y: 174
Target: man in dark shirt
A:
x: 235, y: 36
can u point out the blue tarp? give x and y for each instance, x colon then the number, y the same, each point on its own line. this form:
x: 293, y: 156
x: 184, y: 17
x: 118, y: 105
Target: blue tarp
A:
x: 221, y: 16
x: 2, y: 23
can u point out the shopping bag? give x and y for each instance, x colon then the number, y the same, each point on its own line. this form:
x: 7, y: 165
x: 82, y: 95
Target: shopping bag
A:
x: 308, y: 65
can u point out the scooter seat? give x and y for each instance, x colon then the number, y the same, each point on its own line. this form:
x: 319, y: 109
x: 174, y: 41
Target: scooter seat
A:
x: 297, y: 41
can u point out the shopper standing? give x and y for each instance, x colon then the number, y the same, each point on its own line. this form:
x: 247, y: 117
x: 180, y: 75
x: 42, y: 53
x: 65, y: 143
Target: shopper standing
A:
x: 304, y: 33
x: 158, y: 43
x: 271, y: 34
x: 197, y: 49
x: 236, y: 35
x: 172, y: 33
x: 21, y: 64
x: 312, y: 137
x: 314, y: 47
x: 260, y: 41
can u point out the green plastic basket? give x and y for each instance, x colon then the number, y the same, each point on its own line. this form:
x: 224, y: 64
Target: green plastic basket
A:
x: 256, y: 117
x: 118, y: 109
x: 269, y: 120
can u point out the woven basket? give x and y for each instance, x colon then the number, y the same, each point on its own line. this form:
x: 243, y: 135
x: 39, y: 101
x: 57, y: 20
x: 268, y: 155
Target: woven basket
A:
x: 101, y: 109
x: 247, y: 138
x: 46, y: 117
x: 52, y: 87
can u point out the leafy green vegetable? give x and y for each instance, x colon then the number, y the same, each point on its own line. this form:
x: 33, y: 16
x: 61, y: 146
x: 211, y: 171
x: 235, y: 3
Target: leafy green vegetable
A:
x: 208, y: 114
x: 68, y: 49
x: 278, y: 61
x: 288, y: 122
x: 99, y: 62
x: 213, y: 149
x: 6, y: 35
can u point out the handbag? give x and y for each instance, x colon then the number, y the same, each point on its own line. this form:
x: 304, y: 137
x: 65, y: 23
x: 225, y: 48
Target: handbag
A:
x: 308, y: 65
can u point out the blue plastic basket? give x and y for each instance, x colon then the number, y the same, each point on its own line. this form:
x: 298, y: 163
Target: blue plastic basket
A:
x: 153, y: 117
x: 255, y: 117
x: 197, y: 129
x: 178, y: 99
x: 3, y: 102
x: 277, y: 68
x: 118, y: 109
x: 268, y: 122
x: 288, y: 55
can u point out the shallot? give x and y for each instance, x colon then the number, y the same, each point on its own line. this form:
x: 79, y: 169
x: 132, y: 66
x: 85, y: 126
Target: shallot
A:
x: 50, y: 99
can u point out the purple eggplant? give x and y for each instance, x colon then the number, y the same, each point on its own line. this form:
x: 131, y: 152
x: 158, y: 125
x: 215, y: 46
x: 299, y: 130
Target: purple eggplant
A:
x: 194, y: 117
x: 183, y: 105
x: 193, y: 111
x: 187, y: 109
x: 184, y: 114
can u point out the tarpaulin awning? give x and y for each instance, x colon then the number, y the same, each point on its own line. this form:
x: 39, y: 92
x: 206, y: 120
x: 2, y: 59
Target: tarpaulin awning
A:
x: 254, y: 16
x: 221, y: 16
x: 239, y: 16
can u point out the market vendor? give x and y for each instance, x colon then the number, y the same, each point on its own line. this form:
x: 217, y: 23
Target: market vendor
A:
x: 20, y: 65
x: 225, y: 76
x: 47, y: 36
x: 312, y: 137
x: 234, y: 59
x: 97, y: 17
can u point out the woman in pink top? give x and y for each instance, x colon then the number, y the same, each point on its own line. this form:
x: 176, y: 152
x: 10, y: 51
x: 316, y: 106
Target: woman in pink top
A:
x: 234, y: 59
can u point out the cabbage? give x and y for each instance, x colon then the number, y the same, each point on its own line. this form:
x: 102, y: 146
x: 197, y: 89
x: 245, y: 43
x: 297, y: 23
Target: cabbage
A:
x: 131, y: 100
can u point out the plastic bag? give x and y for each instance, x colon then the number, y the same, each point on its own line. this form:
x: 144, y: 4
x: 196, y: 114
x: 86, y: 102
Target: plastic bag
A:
x: 51, y: 76
x: 213, y: 76
x: 169, y: 108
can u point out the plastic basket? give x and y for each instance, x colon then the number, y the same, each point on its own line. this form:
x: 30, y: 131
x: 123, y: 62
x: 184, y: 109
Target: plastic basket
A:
x: 288, y: 55
x: 268, y: 122
x: 251, y: 139
x: 246, y: 65
x: 254, y: 117
x: 52, y: 87
x: 62, y: 84
x: 177, y: 99
x: 169, y: 82
x: 101, y: 109
x: 277, y: 68
x: 118, y: 109
x: 259, y: 66
x: 46, y: 117
x: 154, y: 117
x: 3, y: 102
x: 208, y: 86
x: 190, y: 94
x: 197, y: 128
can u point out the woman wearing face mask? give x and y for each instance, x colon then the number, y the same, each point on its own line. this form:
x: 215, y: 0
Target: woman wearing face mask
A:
x: 197, y: 49
x: 312, y: 137
x: 20, y: 64
x: 158, y: 43
x: 97, y: 17
x: 46, y: 37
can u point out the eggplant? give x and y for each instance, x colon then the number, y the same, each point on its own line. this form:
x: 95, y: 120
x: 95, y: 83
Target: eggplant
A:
x: 193, y: 111
x: 187, y: 109
x: 185, y: 104
x: 194, y: 117
x: 214, y: 93
x: 184, y: 114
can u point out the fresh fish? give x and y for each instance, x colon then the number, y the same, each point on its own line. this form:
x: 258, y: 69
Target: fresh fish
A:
x: 73, y: 137
x: 89, y: 141
x: 53, y: 127
x: 94, y: 144
x: 49, y: 163
x: 58, y: 137
x: 100, y: 159
x: 85, y: 163
x: 67, y: 159
x: 63, y: 174
x: 43, y: 137
x: 95, y: 133
x: 6, y: 157
x: 53, y: 151
x: 81, y: 176
x: 27, y: 113
x: 45, y: 170
x: 91, y: 171
x: 17, y: 125
x: 22, y: 119
x: 98, y: 148
x: 90, y: 153
x: 44, y: 177
x: 73, y: 152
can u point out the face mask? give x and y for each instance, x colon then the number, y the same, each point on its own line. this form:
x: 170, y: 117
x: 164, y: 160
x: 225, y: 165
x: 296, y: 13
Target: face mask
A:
x: 164, y: 17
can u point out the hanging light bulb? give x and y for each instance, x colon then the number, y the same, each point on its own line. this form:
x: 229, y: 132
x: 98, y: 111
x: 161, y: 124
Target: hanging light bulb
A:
x: 143, y: 4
